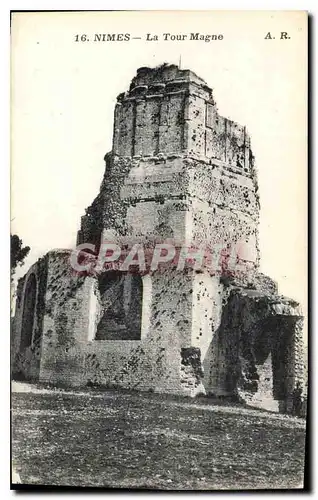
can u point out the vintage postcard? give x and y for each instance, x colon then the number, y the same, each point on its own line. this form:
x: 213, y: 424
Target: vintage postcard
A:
x: 159, y: 249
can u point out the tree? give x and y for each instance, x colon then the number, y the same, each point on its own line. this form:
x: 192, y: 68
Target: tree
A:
x: 18, y: 252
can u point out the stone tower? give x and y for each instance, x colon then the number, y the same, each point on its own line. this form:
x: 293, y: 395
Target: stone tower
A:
x: 178, y: 171
x: 175, y: 159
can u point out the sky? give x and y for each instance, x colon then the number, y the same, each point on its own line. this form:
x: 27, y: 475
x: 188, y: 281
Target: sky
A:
x: 63, y: 97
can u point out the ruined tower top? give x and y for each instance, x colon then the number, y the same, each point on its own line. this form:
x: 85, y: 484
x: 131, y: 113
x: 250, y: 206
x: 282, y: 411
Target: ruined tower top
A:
x: 164, y: 74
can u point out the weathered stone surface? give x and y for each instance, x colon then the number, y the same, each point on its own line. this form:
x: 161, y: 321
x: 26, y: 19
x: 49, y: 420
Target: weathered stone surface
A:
x: 177, y: 171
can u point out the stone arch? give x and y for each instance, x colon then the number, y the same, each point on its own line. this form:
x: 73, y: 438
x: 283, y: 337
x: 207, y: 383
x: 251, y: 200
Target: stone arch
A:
x: 29, y: 309
x: 256, y: 353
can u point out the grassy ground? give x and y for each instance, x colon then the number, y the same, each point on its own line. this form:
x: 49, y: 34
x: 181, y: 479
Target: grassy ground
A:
x: 125, y: 440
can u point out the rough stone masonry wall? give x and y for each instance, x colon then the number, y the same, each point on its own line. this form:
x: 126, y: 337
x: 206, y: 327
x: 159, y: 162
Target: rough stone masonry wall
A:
x: 72, y: 356
x: 258, y: 338
x: 224, y: 210
x: 66, y: 320
x: 177, y: 342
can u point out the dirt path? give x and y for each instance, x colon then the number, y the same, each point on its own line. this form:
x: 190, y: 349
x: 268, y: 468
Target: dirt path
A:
x: 127, y: 439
